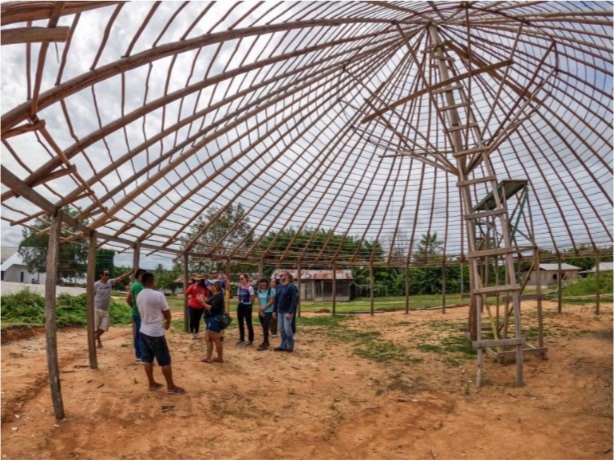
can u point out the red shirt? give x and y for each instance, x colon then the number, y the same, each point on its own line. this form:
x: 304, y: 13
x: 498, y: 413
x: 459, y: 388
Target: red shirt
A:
x: 194, y: 290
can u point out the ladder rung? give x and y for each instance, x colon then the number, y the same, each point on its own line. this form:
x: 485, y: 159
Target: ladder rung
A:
x: 475, y: 150
x: 455, y: 106
x: 482, y: 343
x: 484, y: 214
x: 496, y: 289
x: 462, y: 127
x: 489, y: 252
x: 470, y: 182
x: 447, y: 88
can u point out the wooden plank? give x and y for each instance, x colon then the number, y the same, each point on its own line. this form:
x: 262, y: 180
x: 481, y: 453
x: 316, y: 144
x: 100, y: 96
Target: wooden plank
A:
x: 484, y: 214
x: 525, y: 350
x: 470, y: 182
x: 489, y: 252
x: 33, y: 35
x: 51, y: 328
x: 496, y: 289
x: 432, y: 88
x: 484, y: 343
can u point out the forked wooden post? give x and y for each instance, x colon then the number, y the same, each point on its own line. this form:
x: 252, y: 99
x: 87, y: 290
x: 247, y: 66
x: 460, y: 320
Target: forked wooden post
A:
x: 89, y: 303
x: 50, y: 315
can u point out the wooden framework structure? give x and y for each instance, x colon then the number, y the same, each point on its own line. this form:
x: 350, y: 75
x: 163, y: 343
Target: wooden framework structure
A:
x: 375, y: 121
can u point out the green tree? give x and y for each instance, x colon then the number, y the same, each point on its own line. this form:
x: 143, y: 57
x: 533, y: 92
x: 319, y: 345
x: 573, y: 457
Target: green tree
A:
x: 217, y: 233
x: 72, y: 260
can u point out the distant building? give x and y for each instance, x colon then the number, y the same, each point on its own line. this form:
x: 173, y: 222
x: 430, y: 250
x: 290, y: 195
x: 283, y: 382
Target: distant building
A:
x: 603, y: 267
x: 317, y: 285
x: 549, y: 274
x: 15, y: 270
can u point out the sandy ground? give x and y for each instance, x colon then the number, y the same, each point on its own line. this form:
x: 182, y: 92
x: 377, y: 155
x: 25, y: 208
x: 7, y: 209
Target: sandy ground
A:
x: 324, y: 401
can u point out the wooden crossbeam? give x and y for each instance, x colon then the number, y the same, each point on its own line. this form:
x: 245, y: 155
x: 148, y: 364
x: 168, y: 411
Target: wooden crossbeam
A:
x: 33, y: 35
x: 436, y: 86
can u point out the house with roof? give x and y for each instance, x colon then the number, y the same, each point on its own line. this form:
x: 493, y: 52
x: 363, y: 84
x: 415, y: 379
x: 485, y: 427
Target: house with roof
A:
x: 14, y: 269
x: 603, y: 267
x: 549, y: 274
x: 317, y: 284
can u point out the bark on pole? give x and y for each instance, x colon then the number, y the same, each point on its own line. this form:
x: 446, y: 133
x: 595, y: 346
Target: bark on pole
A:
x: 560, y: 285
x: 597, y: 287
x: 186, y: 325
x: 50, y: 324
x: 371, y: 287
x: 91, y: 279
x: 136, y: 261
x: 334, y: 267
x: 407, y: 288
x: 298, y: 286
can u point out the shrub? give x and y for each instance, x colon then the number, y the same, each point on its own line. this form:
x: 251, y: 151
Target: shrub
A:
x: 588, y: 286
x: 26, y: 307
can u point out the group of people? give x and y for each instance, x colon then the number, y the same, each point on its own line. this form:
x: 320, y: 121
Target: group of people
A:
x: 277, y: 303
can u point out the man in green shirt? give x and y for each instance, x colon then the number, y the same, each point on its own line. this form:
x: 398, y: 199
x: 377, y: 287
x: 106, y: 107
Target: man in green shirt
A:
x: 137, y: 286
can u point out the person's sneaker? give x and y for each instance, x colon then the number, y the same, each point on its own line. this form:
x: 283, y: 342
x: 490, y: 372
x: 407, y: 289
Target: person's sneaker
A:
x: 290, y: 349
x: 138, y: 361
x: 248, y: 343
x: 279, y: 349
x: 263, y: 347
x: 241, y: 343
x: 274, y: 335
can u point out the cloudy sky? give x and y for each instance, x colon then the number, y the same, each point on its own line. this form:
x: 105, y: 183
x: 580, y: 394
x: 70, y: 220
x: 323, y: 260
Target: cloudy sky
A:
x: 169, y: 110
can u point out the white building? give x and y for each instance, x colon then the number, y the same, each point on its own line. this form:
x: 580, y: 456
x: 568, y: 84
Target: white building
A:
x: 15, y: 270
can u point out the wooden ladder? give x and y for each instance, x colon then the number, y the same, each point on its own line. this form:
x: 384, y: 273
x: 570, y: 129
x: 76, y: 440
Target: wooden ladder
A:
x: 484, y: 178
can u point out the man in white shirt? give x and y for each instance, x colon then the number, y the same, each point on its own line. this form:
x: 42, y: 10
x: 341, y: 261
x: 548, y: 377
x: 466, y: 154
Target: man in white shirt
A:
x: 153, y: 308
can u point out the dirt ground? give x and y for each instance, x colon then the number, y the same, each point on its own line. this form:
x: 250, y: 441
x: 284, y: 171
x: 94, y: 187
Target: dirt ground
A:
x: 324, y: 401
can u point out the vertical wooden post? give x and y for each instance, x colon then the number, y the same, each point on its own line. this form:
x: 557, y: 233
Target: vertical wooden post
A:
x: 298, y: 286
x: 186, y: 275
x: 89, y: 300
x: 597, y: 280
x: 371, y: 287
x: 50, y: 315
x: 407, y: 288
x: 334, y: 266
x: 261, y: 268
x: 227, y: 292
x: 560, y: 285
x: 540, y: 312
x: 136, y: 261
x: 443, y: 285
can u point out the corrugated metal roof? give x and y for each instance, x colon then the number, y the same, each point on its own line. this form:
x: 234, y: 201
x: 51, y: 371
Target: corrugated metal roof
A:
x: 555, y: 267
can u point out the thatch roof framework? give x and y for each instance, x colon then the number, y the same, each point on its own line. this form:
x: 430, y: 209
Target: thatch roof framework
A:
x: 310, y: 115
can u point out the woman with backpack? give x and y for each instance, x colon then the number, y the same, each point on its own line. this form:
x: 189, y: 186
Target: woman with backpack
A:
x: 266, y: 303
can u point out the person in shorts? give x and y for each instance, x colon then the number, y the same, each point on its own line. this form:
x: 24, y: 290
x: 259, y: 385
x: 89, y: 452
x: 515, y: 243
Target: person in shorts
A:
x: 214, y: 308
x: 102, y: 302
x: 153, y: 308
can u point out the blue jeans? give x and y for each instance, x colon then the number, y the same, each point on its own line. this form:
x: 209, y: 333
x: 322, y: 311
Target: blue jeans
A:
x: 285, y: 330
x: 138, y: 349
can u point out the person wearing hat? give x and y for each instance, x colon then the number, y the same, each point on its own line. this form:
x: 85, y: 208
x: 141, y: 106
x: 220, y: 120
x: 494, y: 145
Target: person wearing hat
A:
x: 195, y: 293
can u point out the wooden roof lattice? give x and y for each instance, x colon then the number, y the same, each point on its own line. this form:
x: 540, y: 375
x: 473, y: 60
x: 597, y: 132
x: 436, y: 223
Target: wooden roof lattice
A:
x: 319, y: 116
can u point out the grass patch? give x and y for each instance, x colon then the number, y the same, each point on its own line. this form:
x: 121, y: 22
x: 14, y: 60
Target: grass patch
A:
x: 28, y: 308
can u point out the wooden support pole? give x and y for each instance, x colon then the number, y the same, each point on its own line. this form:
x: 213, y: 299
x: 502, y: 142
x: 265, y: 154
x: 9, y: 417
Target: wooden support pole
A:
x: 407, y: 288
x: 50, y: 314
x: 261, y: 268
x: 560, y: 285
x: 540, y: 311
x: 34, y: 34
x: 136, y: 262
x: 186, y: 274
x: 334, y: 267
x: 227, y: 292
x: 372, y: 287
x: 89, y: 300
x: 443, y: 285
x: 298, y: 286
x: 597, y: 280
